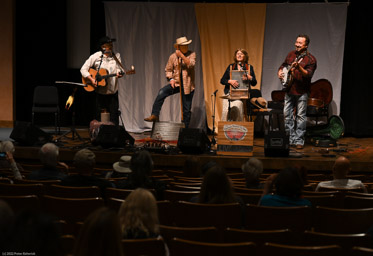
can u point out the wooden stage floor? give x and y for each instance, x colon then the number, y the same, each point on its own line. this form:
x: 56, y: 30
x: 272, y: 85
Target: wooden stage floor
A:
x: 358, y: 150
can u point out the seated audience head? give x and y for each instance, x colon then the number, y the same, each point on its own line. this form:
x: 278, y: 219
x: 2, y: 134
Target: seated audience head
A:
x: 48, y: 154
x: 252, y: 169
x: 341, y: 167
x: 122, y: 167
x: 289, y: 183
x: 84, y: 161
x: 216, y: 187
x: 191, y: 166
x: 7, y: 146
x: 141, y: 166
x: 207, y: 167
x: 138, y: 215
x: 100, y: 234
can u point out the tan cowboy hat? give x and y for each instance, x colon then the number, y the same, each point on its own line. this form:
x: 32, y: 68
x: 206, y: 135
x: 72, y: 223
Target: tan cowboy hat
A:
x: 182, y: 41
x: 123, y: 165
x: 259, y: 102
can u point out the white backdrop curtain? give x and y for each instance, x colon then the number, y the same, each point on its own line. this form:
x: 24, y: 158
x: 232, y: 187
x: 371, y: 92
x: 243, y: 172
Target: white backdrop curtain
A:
x: 146, y: 33
x: 326, y: 26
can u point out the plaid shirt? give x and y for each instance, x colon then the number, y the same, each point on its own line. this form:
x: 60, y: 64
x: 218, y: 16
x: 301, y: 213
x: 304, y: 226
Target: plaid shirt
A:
x: 301, y: 84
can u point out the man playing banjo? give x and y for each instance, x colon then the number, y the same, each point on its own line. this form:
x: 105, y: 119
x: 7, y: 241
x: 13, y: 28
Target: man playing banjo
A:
x: 295, y: 74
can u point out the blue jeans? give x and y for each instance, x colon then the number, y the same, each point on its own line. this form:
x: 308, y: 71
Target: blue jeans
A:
x: 295, y: 123
x: 168, y: 91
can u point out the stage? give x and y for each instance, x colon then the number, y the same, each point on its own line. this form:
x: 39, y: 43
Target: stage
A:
x: 315, y: 159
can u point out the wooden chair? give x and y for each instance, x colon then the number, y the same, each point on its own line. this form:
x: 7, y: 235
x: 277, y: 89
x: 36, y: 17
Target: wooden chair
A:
x: 181, y: 247
x: 166, y: 212
x: 357, y: 202
x: 360, y: 194
x: 236, y: 175
x: 201, y: 234
x: 247, y: 190
x: 43, y: 182
x: 121, y: 193
x: 220, y: 216
x: 177, y: 195
x: 73, y: 192
x: 189, y: 184
x: 5, y: 180
x: 184, y: 188
x: 268, y: 218
x: 71, y: 209
x: 148, y: 246
x: 21, y: 189
x: 342, y: 221
x: 23, y: 202
x: 361, y: 251
x: 341, y: 190
x: 345, y: 241
x: 324, y: 200
x: 260, y: 237
x: 250, y: 198
x: 294, y: 250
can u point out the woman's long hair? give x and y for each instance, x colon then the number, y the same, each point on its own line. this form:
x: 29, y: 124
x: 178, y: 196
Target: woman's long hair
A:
x: 141, y: 166
x: 139, y: 213
x: 246, y: 58
x: 216, y: 187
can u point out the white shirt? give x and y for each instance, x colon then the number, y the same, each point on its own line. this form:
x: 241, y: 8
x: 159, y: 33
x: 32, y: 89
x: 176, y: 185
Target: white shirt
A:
x: 341, y: 183
x: 109, y: 64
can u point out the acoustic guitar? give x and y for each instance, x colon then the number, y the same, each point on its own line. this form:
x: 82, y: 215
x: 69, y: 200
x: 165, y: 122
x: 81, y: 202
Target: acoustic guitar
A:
x: 101, y: 77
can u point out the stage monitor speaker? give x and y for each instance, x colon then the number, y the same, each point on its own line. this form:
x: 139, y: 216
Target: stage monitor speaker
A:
x: 28, y: 134
x: 111, y: 136
x: 276, y: 144
x: 193, y: 141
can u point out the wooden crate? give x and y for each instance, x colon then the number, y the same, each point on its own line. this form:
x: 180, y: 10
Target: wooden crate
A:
x: 235, y: 138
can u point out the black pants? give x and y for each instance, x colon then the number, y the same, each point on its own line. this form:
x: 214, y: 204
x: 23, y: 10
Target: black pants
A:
x: 110, y: 103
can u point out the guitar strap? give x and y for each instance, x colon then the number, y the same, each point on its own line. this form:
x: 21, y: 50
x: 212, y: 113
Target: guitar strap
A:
x: 118, y: 62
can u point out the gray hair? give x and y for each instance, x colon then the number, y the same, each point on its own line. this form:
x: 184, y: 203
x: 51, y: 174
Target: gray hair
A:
x: 253, y: 168
x: 7, y: 146
x: 48, y: 154
x: 84, y: 159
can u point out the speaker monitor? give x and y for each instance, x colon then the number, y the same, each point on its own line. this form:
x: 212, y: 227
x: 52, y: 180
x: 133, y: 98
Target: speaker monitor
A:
x: 113, y: 136
x: 28, y: 134
x: 193, y: 141
x: 276, y: 144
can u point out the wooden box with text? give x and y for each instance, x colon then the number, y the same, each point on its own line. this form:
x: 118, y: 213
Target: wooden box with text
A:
x: 235, y: 138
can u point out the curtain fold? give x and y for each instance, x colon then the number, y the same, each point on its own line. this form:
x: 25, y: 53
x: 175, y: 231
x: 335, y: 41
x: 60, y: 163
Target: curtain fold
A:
x: 223, y: 28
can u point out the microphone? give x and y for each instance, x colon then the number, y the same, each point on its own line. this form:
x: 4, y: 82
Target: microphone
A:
x: 214, y: 93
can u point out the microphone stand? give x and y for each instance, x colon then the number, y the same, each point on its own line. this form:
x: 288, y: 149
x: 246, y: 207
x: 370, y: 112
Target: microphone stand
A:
x: 213, y: 141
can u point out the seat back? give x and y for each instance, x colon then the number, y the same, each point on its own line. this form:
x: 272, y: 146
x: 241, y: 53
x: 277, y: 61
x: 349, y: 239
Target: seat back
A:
x: 147, y: 246
x: 202, y: 234
x: 21, y: 189
x: 183, y: 247
x: 24, y: 202
x: 342, y: 221
x: 293, y: 250
x: 358, y: 202
x: 45, y: 96
x: 73, y: 192
x: 269, y: 218
x: 201, y: 215
x: 176, y: 195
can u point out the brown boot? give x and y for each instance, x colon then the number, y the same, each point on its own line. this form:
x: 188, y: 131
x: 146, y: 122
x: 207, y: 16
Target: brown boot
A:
x: 152, y: 118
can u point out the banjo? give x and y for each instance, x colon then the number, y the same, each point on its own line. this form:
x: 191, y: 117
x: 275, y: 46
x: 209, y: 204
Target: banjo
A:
x: 287, y: 79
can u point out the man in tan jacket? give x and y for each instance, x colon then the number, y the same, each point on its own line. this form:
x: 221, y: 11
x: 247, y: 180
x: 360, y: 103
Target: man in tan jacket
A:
x: 187, y: 59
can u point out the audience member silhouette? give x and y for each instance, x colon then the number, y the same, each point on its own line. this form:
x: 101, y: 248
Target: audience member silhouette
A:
x: 7, y: 219
x: 216, y: 188
x: 138, y: 215
x: 48, y: 155
x: 288, y: 189
x: 7, y: 160
x: 252, y: 169
x: 100, y: 235
x: 121, y: 168
x: 84, y: 162
x: 341, y: 168
x: 140, y: 177
x: 191, y: 167
x: 38, y: 233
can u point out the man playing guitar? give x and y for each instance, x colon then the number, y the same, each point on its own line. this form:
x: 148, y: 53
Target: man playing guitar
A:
x: 301, y: 65
x: 107, y: 94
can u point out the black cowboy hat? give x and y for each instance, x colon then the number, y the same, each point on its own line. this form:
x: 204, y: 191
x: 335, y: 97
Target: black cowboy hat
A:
x: 105, y: 40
